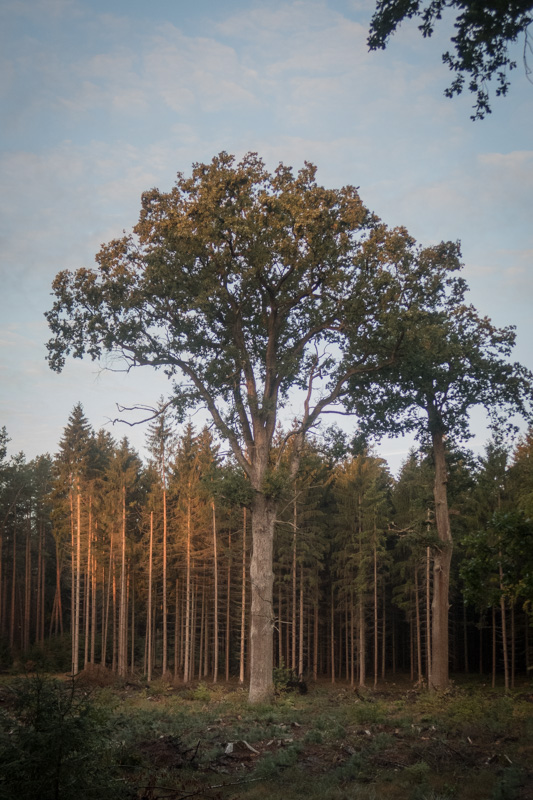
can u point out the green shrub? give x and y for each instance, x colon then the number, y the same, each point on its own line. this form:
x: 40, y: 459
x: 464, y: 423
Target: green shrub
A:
x: 283, y: 677
x: 55, y: 744
x: 201, y: 693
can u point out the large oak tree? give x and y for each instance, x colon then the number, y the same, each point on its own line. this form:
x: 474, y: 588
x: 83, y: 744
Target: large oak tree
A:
x: 249, y: 289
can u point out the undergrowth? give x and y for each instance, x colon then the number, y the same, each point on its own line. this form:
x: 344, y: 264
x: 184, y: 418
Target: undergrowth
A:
x: 159, y: 740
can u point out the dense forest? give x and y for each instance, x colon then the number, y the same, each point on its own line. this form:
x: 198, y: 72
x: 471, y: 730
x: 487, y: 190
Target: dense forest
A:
x: 144, y: 567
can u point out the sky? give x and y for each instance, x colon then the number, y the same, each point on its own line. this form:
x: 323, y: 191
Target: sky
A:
x: 101, y: 101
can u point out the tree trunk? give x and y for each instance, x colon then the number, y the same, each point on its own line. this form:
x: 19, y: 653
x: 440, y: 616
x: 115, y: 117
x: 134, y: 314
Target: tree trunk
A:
x: 332, y: 636
x: 27, y: 594
x: 262, y: 613
x: 243, y: 601
x: 376, y: 629
x: 122, y: 618
x: 186, y: 658
x: 418, y: 628
x: 176, y: 631
x: 428, y: 611
x: 441, y: 569
x: 215, y: 592
x: 76, y: 638
x: 228, y: 610
x: 293, y: 624
x: 301, y: 630
x: 165, y: 615
x: 149, y: 611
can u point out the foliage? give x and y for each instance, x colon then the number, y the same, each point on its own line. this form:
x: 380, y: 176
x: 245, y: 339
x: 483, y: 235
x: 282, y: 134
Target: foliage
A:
x: 55, y: 744
x: 247, y: 284
x: 484, y: 32
x: 500, y: 560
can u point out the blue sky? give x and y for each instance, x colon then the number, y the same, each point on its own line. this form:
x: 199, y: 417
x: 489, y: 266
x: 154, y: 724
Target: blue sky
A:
x: 101, y: 101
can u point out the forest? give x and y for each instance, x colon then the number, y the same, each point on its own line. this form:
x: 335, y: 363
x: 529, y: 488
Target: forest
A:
x: 143, y: 568
x: 261, y: 598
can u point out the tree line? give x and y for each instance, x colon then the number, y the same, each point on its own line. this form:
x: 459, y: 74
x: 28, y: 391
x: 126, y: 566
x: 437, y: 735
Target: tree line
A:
x: 144, y: 567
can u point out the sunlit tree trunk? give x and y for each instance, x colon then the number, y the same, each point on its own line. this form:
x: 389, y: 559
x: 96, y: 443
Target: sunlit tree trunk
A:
x: 132, y: 669
x: 293, y: 624
x: 228, y: 610
x: 186, y: 666
x: 149, y: 610
x: 114, y: 626
x: 243, y: 602
x: 76, y: 640
x: 94, y: 585
x: 428, y: 612
x: 87, y: 587
x: 301, y: 626
x: 122, y: 619
x: 165, y: 614
x: 376, y: 628
x: 176, y: 631
x: 105, y: 615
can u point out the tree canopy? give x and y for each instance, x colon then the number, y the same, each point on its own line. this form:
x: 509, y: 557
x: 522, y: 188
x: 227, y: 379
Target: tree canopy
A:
x: 484, y: 31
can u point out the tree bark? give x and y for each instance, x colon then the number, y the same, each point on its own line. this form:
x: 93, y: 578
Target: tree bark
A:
x: 165, y: 615
x: 262, y: 613
x: 243, y: 601
x: 215, y: 593
x: 149, y: 611
x: 441, y: 568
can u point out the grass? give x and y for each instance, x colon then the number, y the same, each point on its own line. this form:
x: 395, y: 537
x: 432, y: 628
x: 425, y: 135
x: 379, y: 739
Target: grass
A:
x: 470, y: 743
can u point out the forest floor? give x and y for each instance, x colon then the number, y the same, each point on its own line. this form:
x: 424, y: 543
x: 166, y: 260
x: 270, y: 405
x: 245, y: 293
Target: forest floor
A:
x: 471, y: 742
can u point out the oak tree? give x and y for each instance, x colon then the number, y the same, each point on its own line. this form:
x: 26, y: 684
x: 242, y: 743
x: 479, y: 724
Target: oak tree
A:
x: 249, y: 289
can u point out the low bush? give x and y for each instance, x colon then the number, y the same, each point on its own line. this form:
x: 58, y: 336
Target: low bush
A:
x: 56, y: 744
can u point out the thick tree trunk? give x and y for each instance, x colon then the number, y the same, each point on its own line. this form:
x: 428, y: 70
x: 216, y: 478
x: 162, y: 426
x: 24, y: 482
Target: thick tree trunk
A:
x: 441, y: 569
x: 262, y: 613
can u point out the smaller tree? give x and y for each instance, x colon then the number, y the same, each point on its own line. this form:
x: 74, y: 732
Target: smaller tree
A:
x: 452, y: 361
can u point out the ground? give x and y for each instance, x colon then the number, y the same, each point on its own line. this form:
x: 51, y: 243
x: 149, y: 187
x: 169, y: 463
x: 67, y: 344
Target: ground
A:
x: 470, y: 743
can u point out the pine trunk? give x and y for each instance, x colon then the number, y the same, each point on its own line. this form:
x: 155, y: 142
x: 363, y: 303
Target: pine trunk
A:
x: 149, y: 610
x: 215, y: 592
x: 243, y: 601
